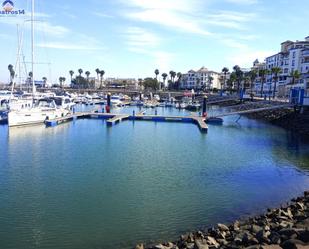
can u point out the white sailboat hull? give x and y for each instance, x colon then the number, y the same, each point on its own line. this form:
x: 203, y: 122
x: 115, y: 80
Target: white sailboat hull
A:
x: 34, y: 116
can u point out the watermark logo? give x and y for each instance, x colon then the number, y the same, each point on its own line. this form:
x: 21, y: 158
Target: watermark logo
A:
x: 8, y: 5
x: 8, y: 9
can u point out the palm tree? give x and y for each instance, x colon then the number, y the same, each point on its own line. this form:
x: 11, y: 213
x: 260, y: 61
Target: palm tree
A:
x: 87, y: 75
x: 239, y: 76
x: 295, y: 75
x: 98, y: 72
x: 231, y: 81
x: 156, y: 73
x: 225, y: 70
x: 44, y: 80
x: 252, y: 75
x: 164, y: 76
x: 61, y: 81
x: 247, y: 81
x: 179, y: 75
x: 102, y: 72
x: 71, y: 72
x: 173, y: 75
x: 80, y: 71
x: 275, y: 71
x: 140, y: 83
x: 12, y: 73
x: 262, y: 74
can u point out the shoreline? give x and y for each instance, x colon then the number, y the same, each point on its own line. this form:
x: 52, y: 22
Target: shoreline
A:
x: 286, y: 227
x: 287, y: 118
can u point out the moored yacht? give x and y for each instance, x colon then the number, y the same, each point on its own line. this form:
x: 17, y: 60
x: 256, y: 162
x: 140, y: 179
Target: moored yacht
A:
x: 33, y: 109
x: 40, y: 111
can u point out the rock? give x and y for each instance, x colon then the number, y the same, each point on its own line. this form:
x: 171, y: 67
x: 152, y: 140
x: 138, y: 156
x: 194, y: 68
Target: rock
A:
x: 238, y: 240
x: 236, y: 225
x: 253, y: 247
x: 139, y: 246
x: 255, y: 229
x: 285, y: 224
x: 272, y: 247
x: 223, y: 227
x: 212, y: 241
x: 289, y: 232
x: 303, y: 224
x: 293, y: 244
x: 190, y: 245
x: 222, y: 242
x: 300, y: 205
x: 201, y: 244
x: 274, y: 238
x: 304, y: 236
x: 262, y: 236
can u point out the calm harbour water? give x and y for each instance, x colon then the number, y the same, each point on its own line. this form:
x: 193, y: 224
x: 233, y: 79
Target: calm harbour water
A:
x: 83, y: 185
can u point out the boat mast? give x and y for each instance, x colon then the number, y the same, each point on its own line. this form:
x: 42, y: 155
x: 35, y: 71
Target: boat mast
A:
x: 32, y: 47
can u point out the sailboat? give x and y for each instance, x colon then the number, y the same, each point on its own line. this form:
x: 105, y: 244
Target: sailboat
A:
x: 37, y: 111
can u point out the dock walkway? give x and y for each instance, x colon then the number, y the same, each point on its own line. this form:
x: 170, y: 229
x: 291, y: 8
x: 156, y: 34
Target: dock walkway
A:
x: 112, y: 118
x: 239, y: 112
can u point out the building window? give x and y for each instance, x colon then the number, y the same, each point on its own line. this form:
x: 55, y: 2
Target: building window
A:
x: 293, y: 63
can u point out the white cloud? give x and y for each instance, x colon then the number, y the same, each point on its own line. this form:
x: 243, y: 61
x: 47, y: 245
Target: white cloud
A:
x: 50, y: 29
x: 244, y: 2
x: 170, y: 5
x: 42, y: 26
x: 245, y: 57
x: 230, y: 19
x: 68, y: 46
x: 144, y: 42
x: 181, y: 15
x: 140, y: 38
x: 103, y: 15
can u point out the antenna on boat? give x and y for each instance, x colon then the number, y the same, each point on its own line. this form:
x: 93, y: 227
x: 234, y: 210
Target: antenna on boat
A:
x: 32, y: 46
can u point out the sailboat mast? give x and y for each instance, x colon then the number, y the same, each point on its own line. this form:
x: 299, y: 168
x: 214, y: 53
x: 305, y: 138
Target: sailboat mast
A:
x: 32, y: 46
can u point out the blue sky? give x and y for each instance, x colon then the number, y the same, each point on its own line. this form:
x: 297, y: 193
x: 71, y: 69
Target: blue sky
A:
x: 131, y: 38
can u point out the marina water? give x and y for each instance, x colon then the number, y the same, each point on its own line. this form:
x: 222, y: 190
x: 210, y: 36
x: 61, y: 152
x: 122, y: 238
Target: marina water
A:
x: 84, y: 185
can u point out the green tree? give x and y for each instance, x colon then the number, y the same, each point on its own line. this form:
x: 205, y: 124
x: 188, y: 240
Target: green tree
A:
x: 295, y: 75
x: 12, y: 73
x: 61, y: 81
x: 156, y: 73
x: 239, y: 76
x: 97, y: 72
x: 275, y: 71
x: 262, y: 74
x: 231, y: 81
x: 164, y: 76
x: 253, y: 76
x: 71, y: 72
x: 102, y: 72
x: 172, y: 75
x: 140, y: 83
x: 225, y: 70
x: 44, y: 81
x: 87, y: 77
x: 150, y: 83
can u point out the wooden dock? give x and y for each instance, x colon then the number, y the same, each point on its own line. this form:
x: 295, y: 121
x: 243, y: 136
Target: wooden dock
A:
x: 112, y: 118
x: 117, y: 119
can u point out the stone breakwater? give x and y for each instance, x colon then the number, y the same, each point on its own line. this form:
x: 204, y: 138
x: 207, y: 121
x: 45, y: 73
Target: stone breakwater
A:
x: 286, y: 227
